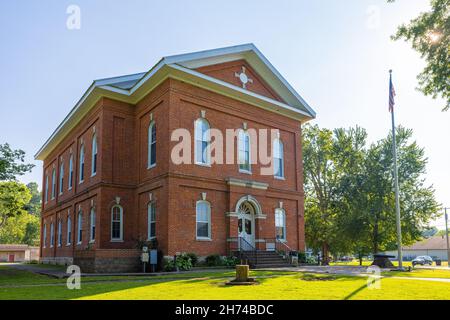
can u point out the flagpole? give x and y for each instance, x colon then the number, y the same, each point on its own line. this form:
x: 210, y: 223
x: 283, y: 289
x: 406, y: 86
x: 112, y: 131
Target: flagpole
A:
x: 397, y: 200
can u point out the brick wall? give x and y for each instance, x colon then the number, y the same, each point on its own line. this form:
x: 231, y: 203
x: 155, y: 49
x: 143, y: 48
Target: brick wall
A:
x: 122, y: 172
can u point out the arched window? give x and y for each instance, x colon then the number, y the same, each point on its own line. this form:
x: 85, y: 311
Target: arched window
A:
x: 280, y: 224
x: 203, y: 213
x: 70, y: 171
x: 44, y: 236
x: 94, y: 156
x: 117, y: 223
x: 92, y: 225
x: 278, y: 158
x: 53, y: 183
x: 61, y: 178
x: 59, y: 233
x: 52, y: 235
x: 151, y: 218
x: 69, y: 230
x: 82, y: 163
x: 80, y: 227
x: 202, y: 142
x: 244, y: 152
x: 46, y: 188
x: 151, y: 161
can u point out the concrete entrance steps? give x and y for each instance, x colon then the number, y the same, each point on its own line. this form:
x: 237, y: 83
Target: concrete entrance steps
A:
x: 270, y: 259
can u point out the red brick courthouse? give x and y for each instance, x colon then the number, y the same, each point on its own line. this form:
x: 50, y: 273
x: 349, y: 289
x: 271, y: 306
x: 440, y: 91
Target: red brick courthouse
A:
x: 110, y: 182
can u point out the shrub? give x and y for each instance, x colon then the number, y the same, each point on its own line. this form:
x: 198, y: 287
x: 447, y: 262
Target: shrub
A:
x: 194, y: 258
x: 183, y: 263
x: 213, y: 260
x: 231, y: 261
x: 301, y: 257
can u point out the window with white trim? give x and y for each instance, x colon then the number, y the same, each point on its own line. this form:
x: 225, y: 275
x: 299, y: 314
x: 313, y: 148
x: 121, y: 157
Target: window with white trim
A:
x: 59, y: 233
x: 151, y: 218
x: 278, y: 158
x: 244, y: 152
x: 117, y: 223
x: 280, y: 224
x: 82, y: 163
x: 202, y: 142
x: 46, y: 188
x: 69, y: 230
x: 52, y: 235
x: 53, y: 183
x: 94, y: 155
x: 61, y: 178
x: 92, y: 225
x: 70, y: 171
x: 80, y: 227
x: 44, y: 240
x: 151, y: 161
x: 203, y: 216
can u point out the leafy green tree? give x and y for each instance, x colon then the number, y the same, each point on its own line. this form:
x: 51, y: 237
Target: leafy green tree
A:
x: 429, y: 34
x: 11, y: 163
x: 21, y: 229
x: 329, y: 158
x: 34, y: 206
x: 13, y: 198
x: 371, y: 224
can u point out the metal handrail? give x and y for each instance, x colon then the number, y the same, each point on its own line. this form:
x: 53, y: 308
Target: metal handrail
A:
x: 247, y: 251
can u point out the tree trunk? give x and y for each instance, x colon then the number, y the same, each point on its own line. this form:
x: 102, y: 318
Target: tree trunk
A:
x: 242, y: 272
x: 325, y: 253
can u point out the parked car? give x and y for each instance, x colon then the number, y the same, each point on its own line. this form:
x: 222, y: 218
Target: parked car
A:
x: 422, y: 260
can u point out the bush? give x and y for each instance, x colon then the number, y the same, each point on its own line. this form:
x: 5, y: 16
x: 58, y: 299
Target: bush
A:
x: 194, y: 258
x: 231, y: 261
x: 311, y: 260
x: 183, y: 263
x: 213, y: 260
x: 301, y: 257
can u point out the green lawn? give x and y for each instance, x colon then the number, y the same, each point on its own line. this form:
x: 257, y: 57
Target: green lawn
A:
x: 210, y: 285
x: 367, y: 263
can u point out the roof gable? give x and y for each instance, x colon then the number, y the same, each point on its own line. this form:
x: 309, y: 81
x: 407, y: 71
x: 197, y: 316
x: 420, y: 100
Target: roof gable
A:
x: 269, y: 90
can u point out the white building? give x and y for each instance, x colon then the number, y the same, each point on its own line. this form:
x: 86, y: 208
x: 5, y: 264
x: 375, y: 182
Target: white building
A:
x: 435, y: 247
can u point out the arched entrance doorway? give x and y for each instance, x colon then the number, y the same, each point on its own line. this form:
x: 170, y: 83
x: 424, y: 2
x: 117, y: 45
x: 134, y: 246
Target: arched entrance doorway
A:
x: 247, y: 208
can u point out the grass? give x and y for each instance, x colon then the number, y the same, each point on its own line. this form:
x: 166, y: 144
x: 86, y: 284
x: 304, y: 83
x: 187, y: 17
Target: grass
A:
x: 210, y: 285
x: 367, y: 263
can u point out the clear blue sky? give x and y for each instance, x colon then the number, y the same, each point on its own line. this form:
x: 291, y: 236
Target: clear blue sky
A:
x: 337, y: 56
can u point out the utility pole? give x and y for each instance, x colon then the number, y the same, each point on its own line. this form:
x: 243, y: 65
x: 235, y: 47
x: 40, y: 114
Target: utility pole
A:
x: 446, y: 234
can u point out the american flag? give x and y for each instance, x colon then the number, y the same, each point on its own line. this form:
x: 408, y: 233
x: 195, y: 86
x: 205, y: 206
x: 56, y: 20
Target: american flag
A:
x: 391, y: 93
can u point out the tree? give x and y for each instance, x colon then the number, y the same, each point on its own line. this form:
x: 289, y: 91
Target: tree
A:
x: 21, y: 229
x: 13, y: 198
x: 349, y: 189
x: 34, y: 206
x: 372, y: 219
x: 429, y: 34
x: 11, y: 163
x: 329, y: 158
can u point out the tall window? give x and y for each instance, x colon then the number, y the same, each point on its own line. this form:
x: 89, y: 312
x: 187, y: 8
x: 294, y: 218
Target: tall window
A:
x: 52, y: 235
x: 59, y: 233
x: 80, y: 227
x: 45, y: 235
x: 70, y: 171
x: 151, y: 217
x: 82, y: 163
x: 244, y: 151
x: 94, y: 156
x: 278, y: 158
x: 117, y: 223
x: 280, y: 224
x: 46, y: 188
x: 92, y: 224
x: 53, y: 183
x: 151, y: 145
x: 203, y: 212
x: 202, y: 142
x: 69, y: 230
x: 61, y: 178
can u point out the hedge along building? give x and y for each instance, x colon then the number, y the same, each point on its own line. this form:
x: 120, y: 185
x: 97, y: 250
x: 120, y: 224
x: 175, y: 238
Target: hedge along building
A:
x: 110, y: 183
